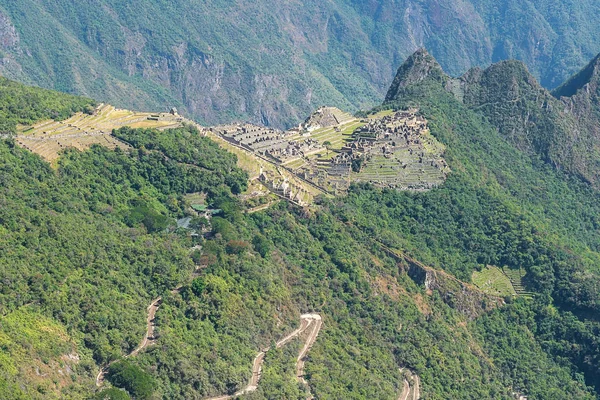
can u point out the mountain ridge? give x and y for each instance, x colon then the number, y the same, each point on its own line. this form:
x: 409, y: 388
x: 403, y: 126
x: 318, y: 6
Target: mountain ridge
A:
x: 154, y: 52
x: 561, y: 131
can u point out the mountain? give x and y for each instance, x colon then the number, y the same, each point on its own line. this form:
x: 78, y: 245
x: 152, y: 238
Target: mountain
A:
x: 274, y: 63
x: 156, y: 270
x: 474, y: 117
x: 560, y: 127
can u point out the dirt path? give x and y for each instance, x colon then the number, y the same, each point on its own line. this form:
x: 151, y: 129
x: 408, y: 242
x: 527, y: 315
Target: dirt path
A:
x: 146, y: 341
x: 405, y: 391
x: 411, y: 387
x: 416, y: 388
x: 310, y: 340
x: 306, y: 321
x: 150, y: 325
x: 149, y: 338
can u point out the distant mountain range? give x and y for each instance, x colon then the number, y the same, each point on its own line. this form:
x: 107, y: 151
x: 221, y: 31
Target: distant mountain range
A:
x: 275, y: 62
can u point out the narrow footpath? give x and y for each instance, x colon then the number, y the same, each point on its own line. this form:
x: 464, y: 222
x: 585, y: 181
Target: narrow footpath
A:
x: 146, y: 341
x: 149, y: 338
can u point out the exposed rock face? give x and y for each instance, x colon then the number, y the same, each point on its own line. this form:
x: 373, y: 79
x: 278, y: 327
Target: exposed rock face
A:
x: 8, y: 34
x: 586, y: 81
x: 9, y: 42
x: 581, y: 98
x: 521, y: 109
x: 466, y: 299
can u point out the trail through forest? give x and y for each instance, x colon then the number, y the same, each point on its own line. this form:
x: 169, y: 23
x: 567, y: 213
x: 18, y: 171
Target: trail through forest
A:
x: 150, y: 327
x: 307, y: 321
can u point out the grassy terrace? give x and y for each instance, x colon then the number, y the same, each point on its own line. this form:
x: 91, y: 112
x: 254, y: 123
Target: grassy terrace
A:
x: 493, y: 281
x: 48, y: 138
x: 337, y: 139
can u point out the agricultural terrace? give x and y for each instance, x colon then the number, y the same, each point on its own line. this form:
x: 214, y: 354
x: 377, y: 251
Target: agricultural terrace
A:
x: 492, y: 280
x: 81, y: 131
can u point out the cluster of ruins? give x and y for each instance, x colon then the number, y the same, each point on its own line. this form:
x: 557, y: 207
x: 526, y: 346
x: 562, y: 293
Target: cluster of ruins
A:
x: 283, y: 187
x: 268, y: 142
x: 394, y: 151
x: 254, y: 138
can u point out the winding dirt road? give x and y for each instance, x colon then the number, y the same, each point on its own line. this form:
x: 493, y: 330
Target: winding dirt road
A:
x: 146, y: 341
x: 312, y: 321
x: 405, y: 391
x: 409, y: 388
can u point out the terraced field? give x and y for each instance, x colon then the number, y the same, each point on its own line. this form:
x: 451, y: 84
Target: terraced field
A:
x: 492, y: 280
x: 516, y: 277
x: 81, y: 131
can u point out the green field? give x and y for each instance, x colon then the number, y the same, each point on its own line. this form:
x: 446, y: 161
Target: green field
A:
x: 493, y: 281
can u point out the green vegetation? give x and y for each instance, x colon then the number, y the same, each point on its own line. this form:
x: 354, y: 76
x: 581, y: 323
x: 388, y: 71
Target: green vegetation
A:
x: 501, y: 206
x: 31, y: 346
x: 86, y: 247
x: 111, y: 394
x: 25, y: 105
x: 132, y: 378
x: 83, y: 249
x: 211, y: 61
x: 493, y: 281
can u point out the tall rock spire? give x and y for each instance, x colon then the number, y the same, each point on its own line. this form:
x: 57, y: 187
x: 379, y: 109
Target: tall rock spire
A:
x: 418, y: 67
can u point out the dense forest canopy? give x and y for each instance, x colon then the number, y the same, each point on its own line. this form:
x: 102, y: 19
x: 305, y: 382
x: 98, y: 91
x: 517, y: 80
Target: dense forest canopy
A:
x: 86, y: 246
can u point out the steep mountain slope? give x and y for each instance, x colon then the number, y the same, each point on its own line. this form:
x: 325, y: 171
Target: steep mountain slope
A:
x: 84, y: 251
x: 560, y: 131
x: 274, y: 63
x: 554, y: 235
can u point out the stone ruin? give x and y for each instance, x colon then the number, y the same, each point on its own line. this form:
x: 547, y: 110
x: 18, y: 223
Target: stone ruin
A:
x: 394, y: 151
x: 324, y: 117
x: 283, y: 187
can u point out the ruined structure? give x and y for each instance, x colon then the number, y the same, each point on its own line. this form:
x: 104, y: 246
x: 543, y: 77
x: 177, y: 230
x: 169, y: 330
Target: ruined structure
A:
x: 333, y: 149
x: 325, y: 117
x: 283, y: 187
x: 395, y: 151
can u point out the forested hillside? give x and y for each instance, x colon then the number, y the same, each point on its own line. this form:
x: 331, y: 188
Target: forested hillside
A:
x: 546, y: 216
x: 274, y: 63
x: 88, y: 245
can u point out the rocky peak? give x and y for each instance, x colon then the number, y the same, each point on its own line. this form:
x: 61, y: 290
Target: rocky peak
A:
x: 590, y: 75
x: 417, y: 68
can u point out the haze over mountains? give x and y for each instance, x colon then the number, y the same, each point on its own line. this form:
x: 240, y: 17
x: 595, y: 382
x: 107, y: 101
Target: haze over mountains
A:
x: 143, y: 256
x: 275, y: 62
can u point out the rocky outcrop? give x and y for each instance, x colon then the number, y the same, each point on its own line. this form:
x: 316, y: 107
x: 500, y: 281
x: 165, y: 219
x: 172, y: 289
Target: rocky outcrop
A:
x: 9, y: 38
x: 463, y: 297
